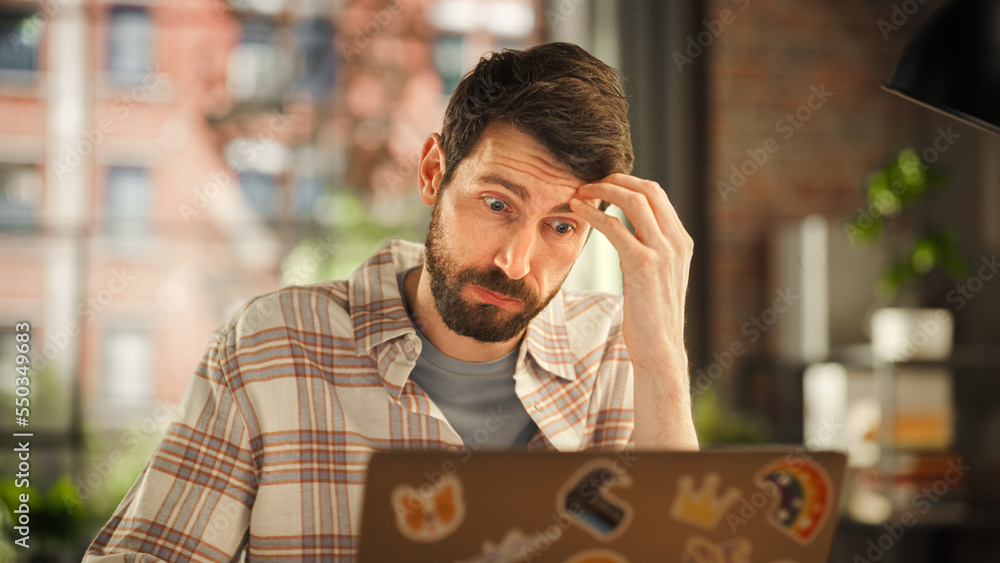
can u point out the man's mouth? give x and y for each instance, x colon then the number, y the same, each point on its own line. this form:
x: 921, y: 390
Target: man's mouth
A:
x: 494, y: 298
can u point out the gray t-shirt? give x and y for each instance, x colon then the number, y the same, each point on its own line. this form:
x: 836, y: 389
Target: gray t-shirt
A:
x: 477, y: 398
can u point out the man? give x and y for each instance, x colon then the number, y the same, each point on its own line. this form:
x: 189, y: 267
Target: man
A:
x: 468, y: 342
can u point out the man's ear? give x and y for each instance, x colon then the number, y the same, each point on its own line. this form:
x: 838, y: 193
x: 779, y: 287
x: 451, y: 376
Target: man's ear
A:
x: 431, y: 168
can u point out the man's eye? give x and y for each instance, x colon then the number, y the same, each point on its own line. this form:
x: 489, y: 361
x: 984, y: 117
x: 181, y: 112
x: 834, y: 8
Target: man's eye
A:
x: 562, y: 228
x: 495, y: 204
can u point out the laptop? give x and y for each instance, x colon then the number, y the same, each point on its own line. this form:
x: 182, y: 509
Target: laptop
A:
x: 771, y: 505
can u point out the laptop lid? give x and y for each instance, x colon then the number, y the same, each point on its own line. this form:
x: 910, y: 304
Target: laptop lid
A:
x: 761, y: 505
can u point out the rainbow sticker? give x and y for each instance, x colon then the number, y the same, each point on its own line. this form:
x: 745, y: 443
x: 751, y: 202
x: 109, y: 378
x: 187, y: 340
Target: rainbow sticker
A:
x: 804, y: 495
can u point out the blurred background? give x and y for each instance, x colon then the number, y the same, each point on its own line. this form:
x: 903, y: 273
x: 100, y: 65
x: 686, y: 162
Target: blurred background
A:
x: 163, y: 162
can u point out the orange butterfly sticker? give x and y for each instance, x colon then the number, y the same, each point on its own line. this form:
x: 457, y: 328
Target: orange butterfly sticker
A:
x: 429, y: 514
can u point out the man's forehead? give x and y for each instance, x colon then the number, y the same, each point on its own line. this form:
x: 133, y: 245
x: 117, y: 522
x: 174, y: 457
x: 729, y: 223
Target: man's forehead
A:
x: 508, y: 153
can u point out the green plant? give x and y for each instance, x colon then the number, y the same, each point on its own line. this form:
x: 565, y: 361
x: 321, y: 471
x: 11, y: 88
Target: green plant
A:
x: 892, y: 195
x: 355, y: 231
x: 720, y: 425
x: 56, y: 527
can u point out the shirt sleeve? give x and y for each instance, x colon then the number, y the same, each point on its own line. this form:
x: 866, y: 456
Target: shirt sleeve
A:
x: 192, y: 502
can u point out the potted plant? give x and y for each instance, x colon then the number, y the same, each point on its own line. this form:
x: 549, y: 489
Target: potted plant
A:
x: 895, y: 217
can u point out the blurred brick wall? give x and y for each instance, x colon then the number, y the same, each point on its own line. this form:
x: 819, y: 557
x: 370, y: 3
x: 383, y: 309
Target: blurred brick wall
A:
x: 766, y: 67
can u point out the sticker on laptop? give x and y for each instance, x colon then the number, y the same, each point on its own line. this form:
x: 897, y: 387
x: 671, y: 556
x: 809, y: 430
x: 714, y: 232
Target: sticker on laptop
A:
x: 702, y: 550
x: 596, y: 556
x: 702, y: 507
x: 587, y: 500
x: 804, y: 495
x: 514, y: 546
x: 429, y: 514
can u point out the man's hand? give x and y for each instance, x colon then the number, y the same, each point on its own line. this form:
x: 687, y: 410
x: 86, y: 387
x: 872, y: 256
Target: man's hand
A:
x: 655, y: 262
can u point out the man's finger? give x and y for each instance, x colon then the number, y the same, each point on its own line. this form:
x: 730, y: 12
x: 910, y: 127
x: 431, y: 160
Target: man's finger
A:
x: 617, y: 233
x: 663, y: 209
x: 635, y: 205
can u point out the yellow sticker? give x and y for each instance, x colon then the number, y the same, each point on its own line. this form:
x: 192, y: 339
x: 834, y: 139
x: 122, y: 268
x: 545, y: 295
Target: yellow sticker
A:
x: 702, y: 508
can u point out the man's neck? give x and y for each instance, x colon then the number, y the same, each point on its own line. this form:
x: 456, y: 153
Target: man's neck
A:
x: 418, y: 295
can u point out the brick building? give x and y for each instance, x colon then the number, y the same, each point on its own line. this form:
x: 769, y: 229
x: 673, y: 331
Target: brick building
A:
x: 162, y: 162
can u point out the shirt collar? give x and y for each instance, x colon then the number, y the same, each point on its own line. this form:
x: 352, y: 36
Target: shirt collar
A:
x: 547, y: 341
x: 378, y: 314
x: 377, y: 310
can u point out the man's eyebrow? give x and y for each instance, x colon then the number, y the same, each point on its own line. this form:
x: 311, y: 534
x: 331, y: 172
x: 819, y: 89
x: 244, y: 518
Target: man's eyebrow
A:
x: 517, y: 189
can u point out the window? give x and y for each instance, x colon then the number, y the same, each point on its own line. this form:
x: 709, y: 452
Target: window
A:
x: 130, y: 45
x: 308, y: 191
x: 254, y: 71
x: 20, y: 36
x: 261, y: 192
x: 127, y: 201
x: 7, y: 355
x: 127, y: 381
x: 20, y: 195
x: 314, y: 40
x: 448, y: 60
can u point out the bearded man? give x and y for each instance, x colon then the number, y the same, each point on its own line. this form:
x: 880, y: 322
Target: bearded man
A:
x: 466, y: 342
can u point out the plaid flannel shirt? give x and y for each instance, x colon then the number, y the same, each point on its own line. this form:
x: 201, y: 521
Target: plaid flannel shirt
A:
x: 267, y: 454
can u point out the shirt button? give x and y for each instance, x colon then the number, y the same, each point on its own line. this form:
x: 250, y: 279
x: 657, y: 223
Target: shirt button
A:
x: 408, y: 346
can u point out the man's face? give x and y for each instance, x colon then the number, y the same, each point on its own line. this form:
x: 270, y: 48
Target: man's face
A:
x: 502, y: 237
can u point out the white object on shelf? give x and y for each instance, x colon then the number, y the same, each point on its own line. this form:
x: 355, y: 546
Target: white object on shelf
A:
x: 824, y: 390
x: 902, y: 334
x: 841, y: 412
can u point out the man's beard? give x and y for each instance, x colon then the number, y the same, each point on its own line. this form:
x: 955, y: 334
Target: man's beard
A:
x: 483, y: 322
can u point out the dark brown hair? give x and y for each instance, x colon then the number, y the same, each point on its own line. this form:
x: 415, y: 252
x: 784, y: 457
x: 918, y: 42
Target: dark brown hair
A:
x: 573, y: 104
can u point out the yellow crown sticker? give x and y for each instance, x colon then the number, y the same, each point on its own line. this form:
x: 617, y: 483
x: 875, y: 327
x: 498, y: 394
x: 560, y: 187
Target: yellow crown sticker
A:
x: 702, y: 507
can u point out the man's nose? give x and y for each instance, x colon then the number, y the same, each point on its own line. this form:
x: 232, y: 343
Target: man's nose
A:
x: 514, y: 258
